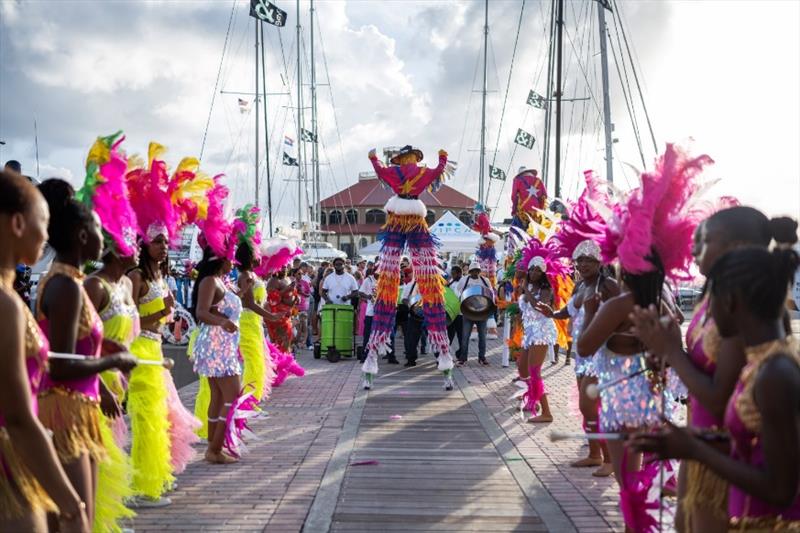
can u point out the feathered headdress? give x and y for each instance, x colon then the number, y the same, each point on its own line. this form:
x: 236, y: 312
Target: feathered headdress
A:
x: 656, y: 217
x: 188, y: 190
x: 582, y: 228
x: 245, y: 226
x: 150, y: 197
x: 105, y: 191
x: 276, y: 253
x: 216, y: 230
x: 545, y: 256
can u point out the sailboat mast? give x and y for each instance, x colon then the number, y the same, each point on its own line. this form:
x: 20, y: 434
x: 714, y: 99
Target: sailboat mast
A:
x: 559, y: 54
x: 481, y: 188
x: 601, y: 19
x: 300, y: 161
x: 266, y: 130
x: 314, y: 146
x: 549, y: 92
x: 255, y: 25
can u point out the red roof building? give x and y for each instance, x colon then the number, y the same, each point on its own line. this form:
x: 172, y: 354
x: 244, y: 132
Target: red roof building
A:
x: 355, y: 215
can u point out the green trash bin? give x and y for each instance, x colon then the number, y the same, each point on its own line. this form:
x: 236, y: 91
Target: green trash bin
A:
x: 337, y: 329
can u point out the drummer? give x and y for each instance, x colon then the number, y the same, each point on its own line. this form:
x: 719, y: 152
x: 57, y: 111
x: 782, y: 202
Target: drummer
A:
x: 413, y: 327
x: 475, y: 278
x: 455, y: 327
x: 339, y: 287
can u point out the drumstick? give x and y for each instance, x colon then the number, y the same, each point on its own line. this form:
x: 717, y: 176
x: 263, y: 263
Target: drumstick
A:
x: 556, y: 436
x: 79, y: 357
x: 593, y: 389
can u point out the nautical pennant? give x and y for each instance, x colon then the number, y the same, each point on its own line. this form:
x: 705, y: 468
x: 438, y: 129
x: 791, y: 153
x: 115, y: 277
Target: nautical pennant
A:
x: 307, y: 136
x: 289, y: 160
x: 268, y: 12
x: 523, y: 138
x: 606, y: 4
x: 536, y: 100
x: 496, y: 173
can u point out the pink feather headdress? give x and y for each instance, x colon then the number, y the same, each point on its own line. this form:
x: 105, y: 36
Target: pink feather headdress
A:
x: 150, y: 197
x: 583, y: 227
x: 276, y: 253
x: 546, y: 256
x: 216, y: 230
x: 657, y: 217
x: 106, y: 192
x: 188, y: 190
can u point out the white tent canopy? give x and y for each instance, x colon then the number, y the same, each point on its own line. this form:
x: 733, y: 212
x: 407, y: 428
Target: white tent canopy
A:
x: 454, y: 237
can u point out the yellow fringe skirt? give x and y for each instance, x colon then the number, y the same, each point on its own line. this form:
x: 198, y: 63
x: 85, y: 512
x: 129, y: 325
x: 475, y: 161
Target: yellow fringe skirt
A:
x: 147, y: 408
x: 113, y: 484
x: 74, y: 420
x: 19, y: 490
x: 704, y: 490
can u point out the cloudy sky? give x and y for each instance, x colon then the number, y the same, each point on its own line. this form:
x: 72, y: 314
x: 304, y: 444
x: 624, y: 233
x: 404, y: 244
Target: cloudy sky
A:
x: 725, y: 73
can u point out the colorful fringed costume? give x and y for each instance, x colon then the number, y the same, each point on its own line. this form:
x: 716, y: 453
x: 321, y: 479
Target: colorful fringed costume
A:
x: 277, y: 254
x: 528, y: 195
x: 406, y: 226
x: 649, y: 231
x: 105, y: 191
x: 486, y: 254
x: 20, y: 491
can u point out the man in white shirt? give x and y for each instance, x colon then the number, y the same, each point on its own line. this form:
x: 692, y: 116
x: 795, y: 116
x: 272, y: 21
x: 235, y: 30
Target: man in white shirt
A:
x: 338, y: 287
x: 474, y: 278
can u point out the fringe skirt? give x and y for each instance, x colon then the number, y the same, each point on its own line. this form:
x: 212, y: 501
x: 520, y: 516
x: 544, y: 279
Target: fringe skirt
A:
x: 74, y: 420
x: 20, y: 491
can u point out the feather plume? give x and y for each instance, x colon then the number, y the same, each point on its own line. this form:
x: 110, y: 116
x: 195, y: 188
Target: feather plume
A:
x: 245, y: 226
x: 276, y: 253
x: 216, y: 229
x: 106, y: 192
x: 189, y: 188
x: 150, y: 199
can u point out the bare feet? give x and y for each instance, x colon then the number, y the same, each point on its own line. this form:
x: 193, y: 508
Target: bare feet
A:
x: 219, y: 458
x: 541, y: 419
x: 586, y: 462
x: 605, y: 470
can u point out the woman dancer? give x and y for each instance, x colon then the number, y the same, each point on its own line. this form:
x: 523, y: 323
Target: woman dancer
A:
x: 587, y: 262
x: 32, y: 481
x: 109, y: 290
x: 711, y: 365
x: 539, y: 334
x: 748, y: 290
x: 281, y: 300
x: 216, y: 356
x: 650, y: 233
x: 71, y: 390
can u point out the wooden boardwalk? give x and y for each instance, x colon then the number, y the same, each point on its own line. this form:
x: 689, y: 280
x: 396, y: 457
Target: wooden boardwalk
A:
x: 422, y: 462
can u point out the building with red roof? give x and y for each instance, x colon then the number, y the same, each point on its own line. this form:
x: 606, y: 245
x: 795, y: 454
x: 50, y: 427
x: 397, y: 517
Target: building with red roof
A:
x: 354, y: 216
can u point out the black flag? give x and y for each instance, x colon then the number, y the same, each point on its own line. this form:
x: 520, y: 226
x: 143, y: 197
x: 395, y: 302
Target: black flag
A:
x: 496, y: 173
x: 606, y: 4
x: 268, y: 12
x: 307, y: 136
x: 289, y: 160
x: 536, y: 100
x: 523, y: 138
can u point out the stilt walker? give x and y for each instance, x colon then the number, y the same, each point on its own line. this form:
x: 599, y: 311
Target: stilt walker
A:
x: 486, y: 255
x: 406, y: 226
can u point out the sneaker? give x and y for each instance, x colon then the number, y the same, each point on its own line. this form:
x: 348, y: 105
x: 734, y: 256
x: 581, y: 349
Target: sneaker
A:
x: 393, y: 361
x: 410, y: 363
x: 484, y: 362
x: 461, y: 363
x: 448, y: 383
x: 143, y: 502
x: 367, y: 383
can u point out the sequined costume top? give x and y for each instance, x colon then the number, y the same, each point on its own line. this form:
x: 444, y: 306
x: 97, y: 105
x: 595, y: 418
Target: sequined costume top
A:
x: 90, y: 334
x: 36, y: 351
x: 216, y: 352
x: 153, y: 302
x: 538, y: 329
x: 584, y: 366
x: 120, y: 316
x: 743, y: 421
x: 702, y: 343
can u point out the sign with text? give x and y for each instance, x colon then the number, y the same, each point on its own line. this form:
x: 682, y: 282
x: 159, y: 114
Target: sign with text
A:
x: 268, y: 12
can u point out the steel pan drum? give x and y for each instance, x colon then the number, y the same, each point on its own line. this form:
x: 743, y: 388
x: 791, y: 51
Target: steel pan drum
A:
x: 451, y: 304
x: 477, y: 303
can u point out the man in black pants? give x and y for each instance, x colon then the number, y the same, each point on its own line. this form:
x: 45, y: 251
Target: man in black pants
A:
x: 457, y: 325
x: 412, y: 329
x: 475, y: 278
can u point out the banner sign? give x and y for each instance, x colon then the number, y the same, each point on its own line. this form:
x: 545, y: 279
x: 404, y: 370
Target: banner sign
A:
x: 268, y: 12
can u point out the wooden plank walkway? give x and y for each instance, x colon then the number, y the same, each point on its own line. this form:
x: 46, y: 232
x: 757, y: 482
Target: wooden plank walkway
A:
x: 437, y: 469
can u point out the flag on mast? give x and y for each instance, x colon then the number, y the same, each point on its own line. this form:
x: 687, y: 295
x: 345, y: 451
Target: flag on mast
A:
x: 290, y: 161
x: 244, y: 106
x: 307, y: 136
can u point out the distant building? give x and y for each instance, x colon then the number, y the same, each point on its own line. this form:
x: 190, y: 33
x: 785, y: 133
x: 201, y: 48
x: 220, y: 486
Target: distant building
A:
x: 355, y: 215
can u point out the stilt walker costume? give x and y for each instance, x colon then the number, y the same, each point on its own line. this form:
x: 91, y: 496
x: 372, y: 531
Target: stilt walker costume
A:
x: 528, y: 195
x: 486, y: 254
x: 106, y: 192
x: 406, y: 226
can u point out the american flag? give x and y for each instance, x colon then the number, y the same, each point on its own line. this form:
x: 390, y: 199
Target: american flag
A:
x: 244, y: 106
